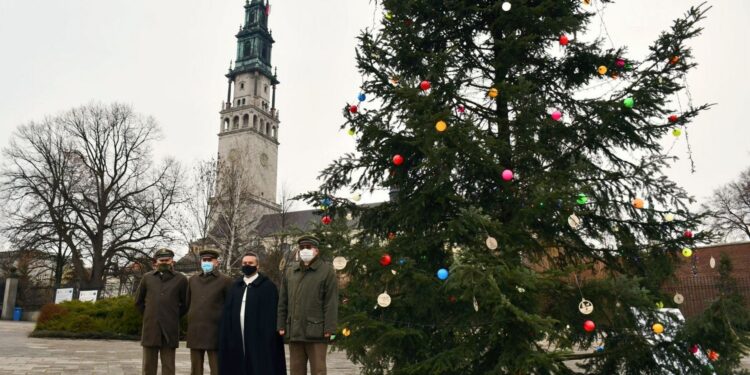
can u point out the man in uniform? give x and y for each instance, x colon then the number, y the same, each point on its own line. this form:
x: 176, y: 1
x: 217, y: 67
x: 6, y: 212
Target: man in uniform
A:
x: 205, y: 299
x: 161, y: 299
x: 308, y: 309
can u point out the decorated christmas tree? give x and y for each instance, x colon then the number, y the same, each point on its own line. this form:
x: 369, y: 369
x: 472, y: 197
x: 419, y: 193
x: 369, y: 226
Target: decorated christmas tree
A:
x: 530, y: 225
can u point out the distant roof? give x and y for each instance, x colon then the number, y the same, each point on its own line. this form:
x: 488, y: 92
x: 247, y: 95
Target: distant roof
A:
x: 293, y: 220
x: 187, y: 264
x: 302, y: 221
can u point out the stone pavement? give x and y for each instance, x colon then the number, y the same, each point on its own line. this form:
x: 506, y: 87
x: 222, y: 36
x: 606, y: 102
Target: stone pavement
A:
x: 20, y: 354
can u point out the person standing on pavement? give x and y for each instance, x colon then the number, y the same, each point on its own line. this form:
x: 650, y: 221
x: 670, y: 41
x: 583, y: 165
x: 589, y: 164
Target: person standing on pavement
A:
x: 308, y: 309
x: 249, y: 344
x: 205, y: 299
x: 161, y: 299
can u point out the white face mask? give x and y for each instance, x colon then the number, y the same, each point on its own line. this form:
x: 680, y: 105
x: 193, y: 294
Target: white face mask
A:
x: 306, y: 255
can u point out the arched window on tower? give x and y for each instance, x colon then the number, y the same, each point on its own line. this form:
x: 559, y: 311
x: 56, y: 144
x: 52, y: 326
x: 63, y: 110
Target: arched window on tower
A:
x: 245, y: 120
x: 273, y: 132
x: 255, y: 122
x: 226, y: 124
x: 268, y: 128
x: 236, y: 122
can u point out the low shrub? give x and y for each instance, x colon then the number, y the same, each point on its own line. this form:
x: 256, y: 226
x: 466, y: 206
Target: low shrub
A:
x: 107, y: 318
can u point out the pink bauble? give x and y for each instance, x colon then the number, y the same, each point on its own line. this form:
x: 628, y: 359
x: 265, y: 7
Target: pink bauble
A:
x: 620, y: 63
x: 507, y: 175
x: 556, y: 115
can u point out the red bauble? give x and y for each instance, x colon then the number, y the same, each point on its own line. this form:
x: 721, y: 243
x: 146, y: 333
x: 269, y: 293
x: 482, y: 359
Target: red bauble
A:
x: 452, y: 299
x: 589, y: 326
x: 326, y: 220
x: 673, y: 118
x: 694, y: 349
x: 398, y: 159
x: 688, y: 234
x: 385, y: 260
x: 353, y: 109
x: 391, y: 235
x: 425, y: 85
x: 564, y: 40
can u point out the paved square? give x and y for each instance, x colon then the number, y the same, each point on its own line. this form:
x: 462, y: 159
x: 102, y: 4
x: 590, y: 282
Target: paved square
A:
x: 20, y: 354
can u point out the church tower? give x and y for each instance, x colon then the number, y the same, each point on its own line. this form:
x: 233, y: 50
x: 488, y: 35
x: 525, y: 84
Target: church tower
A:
x: 249, y: 130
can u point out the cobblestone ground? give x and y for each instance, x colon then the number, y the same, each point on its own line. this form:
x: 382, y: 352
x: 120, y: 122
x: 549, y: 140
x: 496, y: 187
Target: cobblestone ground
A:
x: 20, y: 354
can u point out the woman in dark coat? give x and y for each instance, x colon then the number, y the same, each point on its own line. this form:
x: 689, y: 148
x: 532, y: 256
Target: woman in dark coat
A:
x: 259, y: 350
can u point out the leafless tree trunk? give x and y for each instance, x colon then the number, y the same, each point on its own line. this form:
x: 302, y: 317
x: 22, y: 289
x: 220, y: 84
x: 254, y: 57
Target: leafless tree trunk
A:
x: 277, y: 254
x: 729, y: 208
x: 234, y: 211
x: 87, y: 178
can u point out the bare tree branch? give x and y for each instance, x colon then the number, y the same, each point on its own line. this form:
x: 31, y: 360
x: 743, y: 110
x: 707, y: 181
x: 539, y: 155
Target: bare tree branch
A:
x: 86, y: 179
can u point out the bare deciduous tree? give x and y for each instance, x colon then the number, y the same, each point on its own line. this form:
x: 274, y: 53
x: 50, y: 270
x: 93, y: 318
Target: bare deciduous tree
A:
x: 235, y: 210
x: 277, y: 254
x: 729, y: 208
x: 87, y: 178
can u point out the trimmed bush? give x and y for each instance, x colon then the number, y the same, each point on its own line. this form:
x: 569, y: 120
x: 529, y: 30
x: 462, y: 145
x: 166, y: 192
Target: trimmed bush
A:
x: 107, y: 318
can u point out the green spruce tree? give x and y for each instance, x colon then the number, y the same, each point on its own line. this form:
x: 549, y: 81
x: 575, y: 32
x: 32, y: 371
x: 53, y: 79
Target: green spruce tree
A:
x: 725, y: 326
x: 525, y: 166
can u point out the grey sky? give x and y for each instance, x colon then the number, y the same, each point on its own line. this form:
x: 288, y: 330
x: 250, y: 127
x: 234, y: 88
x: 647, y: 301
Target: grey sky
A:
x: 168, y: 59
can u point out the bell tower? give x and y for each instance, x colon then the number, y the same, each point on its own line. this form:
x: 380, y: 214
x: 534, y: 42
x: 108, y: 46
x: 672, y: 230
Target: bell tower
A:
x: 249, y: 120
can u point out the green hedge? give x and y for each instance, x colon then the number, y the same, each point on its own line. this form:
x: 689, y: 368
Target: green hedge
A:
x: 110, y: 318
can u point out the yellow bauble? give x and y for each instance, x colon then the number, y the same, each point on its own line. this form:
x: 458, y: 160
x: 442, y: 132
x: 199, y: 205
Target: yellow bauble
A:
x: 351, y: 131
x: 602, y: 70
x: 658, y: 328
x: 687, y: 252
x: 493, y: 93
x: 676, y: 132
x: 346, y: 332
x: 441, y: 126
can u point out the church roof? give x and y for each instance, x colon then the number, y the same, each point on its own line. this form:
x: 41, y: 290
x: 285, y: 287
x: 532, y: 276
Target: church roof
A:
x: 296, y: 221
x: 302, y: 221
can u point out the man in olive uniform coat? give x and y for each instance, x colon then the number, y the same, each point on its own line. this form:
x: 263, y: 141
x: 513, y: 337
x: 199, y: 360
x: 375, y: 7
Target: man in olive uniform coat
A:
x: 308, y: 309
x: 161, y: 299
x: 205, y: 299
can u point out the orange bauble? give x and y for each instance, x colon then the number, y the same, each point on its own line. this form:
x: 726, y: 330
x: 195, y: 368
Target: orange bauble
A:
x: 638, y: 203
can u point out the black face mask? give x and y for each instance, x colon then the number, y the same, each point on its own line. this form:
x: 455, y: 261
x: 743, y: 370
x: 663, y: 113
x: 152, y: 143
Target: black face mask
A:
x: 163, y: 267
x: 249, y: 270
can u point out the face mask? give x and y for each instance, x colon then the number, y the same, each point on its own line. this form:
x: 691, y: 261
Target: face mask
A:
x: 306, y: 255
x: 207, y: 266
x: 249, y: 270
x: 163, y: 267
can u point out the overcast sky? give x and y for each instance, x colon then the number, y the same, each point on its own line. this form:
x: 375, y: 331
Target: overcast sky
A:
x: 168, y: 58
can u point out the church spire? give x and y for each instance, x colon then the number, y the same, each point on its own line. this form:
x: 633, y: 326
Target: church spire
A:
x: 254, y: 41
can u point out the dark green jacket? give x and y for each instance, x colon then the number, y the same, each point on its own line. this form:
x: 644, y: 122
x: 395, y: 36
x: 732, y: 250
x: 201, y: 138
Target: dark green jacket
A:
x: 161, y: 300
x: 205, y: 300
x: 308, y: 302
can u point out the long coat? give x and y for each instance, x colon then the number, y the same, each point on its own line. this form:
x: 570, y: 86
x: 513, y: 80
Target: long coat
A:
x: 308, y: 302
x: 205, y: 299
x: 161, y: 300
x: 263, y: 351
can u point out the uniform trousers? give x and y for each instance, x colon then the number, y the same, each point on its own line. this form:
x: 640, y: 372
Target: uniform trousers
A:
x: 151, y: 360
x: 302, y: 352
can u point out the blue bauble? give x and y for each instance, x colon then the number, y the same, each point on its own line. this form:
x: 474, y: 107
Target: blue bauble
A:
x: 362, y: 97
x: 442, y: 274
